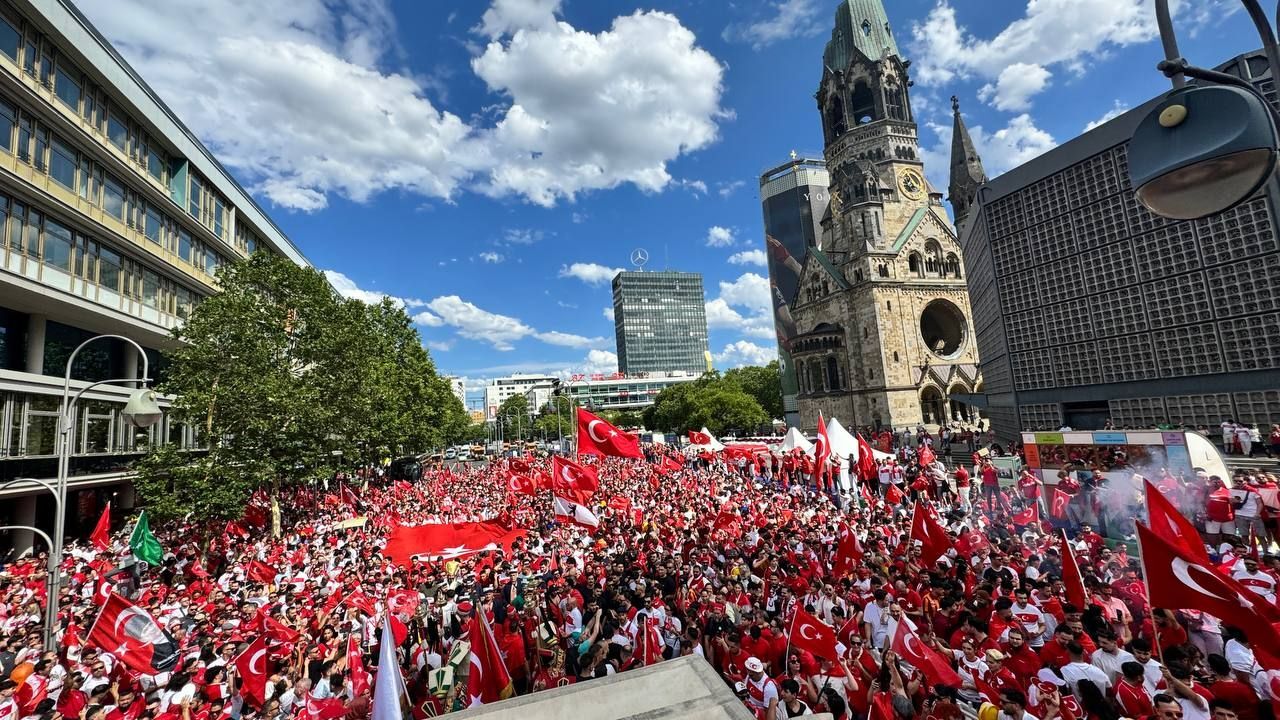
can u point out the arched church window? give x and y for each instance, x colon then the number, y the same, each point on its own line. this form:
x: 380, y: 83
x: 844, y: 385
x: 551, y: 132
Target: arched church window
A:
x: 833, y: 373
x: 894, y: 102
x: 953, y: 265
x: 913, y: 263
x: 837, y: 124
x: 862, y: 104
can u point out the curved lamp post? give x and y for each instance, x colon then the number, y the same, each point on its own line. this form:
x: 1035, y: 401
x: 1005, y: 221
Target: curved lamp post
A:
x: 140, y: 411
x: 1205, y: 148
x: 52, y: 566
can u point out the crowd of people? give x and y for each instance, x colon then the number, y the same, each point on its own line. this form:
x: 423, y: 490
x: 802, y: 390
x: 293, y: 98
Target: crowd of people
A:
x: 692, y: 556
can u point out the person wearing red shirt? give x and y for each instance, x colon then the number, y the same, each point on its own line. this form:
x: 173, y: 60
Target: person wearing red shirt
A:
x: 962, y: 487
x: 1131, y: 692
x: 1219, y: 512
x: 1019, y: 658
x: 999, y: 677
x: 1054, y: 653
x: 1225, y: 686
x: 1029, y: 485
x: 990, y: 487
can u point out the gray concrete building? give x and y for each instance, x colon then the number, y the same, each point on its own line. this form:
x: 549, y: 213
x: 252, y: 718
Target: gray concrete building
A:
x: 660, y: 320
x: 1088, y: 308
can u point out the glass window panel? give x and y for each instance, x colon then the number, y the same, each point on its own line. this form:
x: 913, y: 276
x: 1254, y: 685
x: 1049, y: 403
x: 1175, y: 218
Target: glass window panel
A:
x: 10, y: 38
x: 57, y: 246
x: 68, y: 86
x: 155, y: 164
x: 197, y: 195
x: 219, y: 209
x: 109, y: 269
x: 62, y: 164
x: 117, y: 131
x: 33, y: 234
x: 15, y: 226
x: 210, y: 261
x: 8, y: 118
x: 29, y: 57
x: 24, y: 138
x: 41, y: 430
x: 184, y: 301
x: 42, y: 148
x: 46, y: 68
x: 184, y: 245
x: 150, y: 288
x: 113, y: 197
x: 154, y: 221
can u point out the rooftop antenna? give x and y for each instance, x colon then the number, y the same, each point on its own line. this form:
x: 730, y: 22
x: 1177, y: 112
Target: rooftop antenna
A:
x: 666, y: 264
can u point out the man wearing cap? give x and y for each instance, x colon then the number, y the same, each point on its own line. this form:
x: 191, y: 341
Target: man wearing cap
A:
x: 762, y: 691
x: 998, y: 676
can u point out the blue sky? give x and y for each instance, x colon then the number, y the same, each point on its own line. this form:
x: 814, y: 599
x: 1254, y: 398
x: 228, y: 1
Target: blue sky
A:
x: 489, y: 162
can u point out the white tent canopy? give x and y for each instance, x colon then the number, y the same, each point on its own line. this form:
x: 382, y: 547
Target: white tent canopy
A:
x: 795, y: 439
x: 715, y: 445
x: 843, y: 445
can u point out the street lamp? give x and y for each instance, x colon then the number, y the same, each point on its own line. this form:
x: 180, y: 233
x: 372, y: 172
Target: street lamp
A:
x: 1206, y: 148
x: 140, y: 411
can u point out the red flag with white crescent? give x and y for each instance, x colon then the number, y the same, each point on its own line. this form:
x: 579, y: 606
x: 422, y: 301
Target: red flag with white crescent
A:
x: 488, y: 680
x: 1030, y: 516
x: 821, y: 451
x: 811, y: 634
x: 134, y: 637
x: 699, y: 438
x: 597, y: 437
x: 521, y: 484
x: 252, y: 665
x: 355, y: 662
x: 924, y: 658
x: 571, y: 479
x: 1058, y: 505
x: 101, y: 537
x: 934, y: 542
x: 1172, y: 526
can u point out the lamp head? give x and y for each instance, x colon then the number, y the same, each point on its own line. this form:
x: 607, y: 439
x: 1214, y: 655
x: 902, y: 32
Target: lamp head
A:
x: 142, y: 410
x: 1202, y: 150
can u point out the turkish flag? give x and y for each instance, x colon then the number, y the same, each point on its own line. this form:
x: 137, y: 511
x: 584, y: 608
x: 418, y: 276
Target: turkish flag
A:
x: 934, y: 542
x: 892, y: 495
x: 821, y: 451
x: 925, y: 457
x: 259, y: 571
x: 670, y: 464
x: 489, y: 681
x: 848, y: 552
x: 972, y: 542
x: 924, y: 658
x: 1058, y: 505
x: 134, y: 637
x: 1171, y: 526
x: 252, y: 667
x: 699, y: 438
x: 32, y: 691
x: 519, y: 465
x: 522, y: 484
x: 1030, y: 516
x: 571, y: 479
x: 597, y: 437
x: 1071, y: 576
x: 448, y: 540
x: 1177, y: 580
x: 811, y: 634
x: 365, y: 604
x: 349, y: 495
x: 329, y: 708
x: 355, y: 663
x: 101, y: 537
x: 404, y: 601
x: 866, y: 460
x: 620, y: 502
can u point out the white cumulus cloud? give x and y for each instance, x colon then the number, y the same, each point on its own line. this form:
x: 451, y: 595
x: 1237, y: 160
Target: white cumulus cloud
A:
x: 719, y: 236
x: 749, y: 257
x: 742, y: 352
x: 749, y: 290
x: 1006, y: 148
x: 787, y: 19
x: 608, y: 314
x: 347, y: 288
x: 1117, y: 109
x: 589, y: 273
x: 721, y: 316
x: 600, y: 361
x: 491, y: 257
x: 1015, y: 86
x: 306, y: 99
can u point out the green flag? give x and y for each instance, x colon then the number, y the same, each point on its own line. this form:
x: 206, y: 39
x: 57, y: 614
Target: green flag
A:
x: 144, y: 544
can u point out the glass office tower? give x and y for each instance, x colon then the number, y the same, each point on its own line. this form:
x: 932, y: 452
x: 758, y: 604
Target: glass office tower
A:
x: 660, y: 319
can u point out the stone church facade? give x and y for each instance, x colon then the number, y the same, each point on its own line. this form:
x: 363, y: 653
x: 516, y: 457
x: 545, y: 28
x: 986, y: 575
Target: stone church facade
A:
x: 884, y: 331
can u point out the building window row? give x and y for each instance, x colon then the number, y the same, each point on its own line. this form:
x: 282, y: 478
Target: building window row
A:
x: 31, y: 427
x: 37, y: 146
x: 31, y: 236
x: 37, y: 56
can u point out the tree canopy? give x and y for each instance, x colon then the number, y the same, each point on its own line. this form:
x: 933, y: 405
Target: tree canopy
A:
x: 283, y: 380
x: 762, y: 383
x: 716, y: 402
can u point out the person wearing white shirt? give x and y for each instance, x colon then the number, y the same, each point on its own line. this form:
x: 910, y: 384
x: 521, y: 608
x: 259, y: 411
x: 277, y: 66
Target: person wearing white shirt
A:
x: 875, y: 619
x: 1248, y: 574
x: 1110, y: 656
x: 1077, y: 670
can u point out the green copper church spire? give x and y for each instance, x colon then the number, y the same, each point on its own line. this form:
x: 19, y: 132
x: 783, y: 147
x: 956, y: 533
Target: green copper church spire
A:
x: 862, y: 25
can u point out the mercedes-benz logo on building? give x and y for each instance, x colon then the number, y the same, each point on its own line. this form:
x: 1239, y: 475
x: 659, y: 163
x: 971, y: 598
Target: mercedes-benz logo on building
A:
x: 639, y: 257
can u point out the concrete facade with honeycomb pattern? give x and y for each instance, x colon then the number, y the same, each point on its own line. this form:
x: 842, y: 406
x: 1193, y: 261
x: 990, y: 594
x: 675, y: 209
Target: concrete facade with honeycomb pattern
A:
x: 884, y: 330
x: 1091, y: 308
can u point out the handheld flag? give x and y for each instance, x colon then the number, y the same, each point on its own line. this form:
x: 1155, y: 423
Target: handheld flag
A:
x: 101, y: 537
x: 597, y: 437
x: 811, y: 634
x: 143, y: 543
x: 252, y: 667
x: 134, y: 637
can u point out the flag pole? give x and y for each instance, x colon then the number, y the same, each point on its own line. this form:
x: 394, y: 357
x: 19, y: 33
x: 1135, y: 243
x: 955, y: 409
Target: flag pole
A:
x: 1146, y: 593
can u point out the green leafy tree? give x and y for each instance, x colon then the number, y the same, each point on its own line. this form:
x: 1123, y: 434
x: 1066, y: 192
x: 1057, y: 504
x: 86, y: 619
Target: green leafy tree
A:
x: 762, y: 383
x: 712, y: 401
x: 514, y: 418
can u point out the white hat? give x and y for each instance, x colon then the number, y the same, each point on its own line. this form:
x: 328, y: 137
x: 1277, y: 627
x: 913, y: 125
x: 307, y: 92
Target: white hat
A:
x: 753, y: 664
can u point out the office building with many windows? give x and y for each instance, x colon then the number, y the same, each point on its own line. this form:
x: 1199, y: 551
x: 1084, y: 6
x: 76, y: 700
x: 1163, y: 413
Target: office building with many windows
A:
x: 113, y: 220
x: 500, y: 389
x: 660, y: 319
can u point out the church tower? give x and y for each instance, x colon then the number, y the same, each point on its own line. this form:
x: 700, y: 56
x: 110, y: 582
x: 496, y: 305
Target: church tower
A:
x: 884, y: 335
x: 966, y: 166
